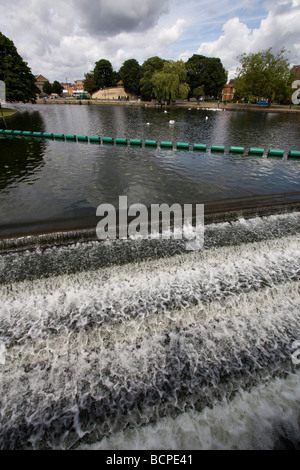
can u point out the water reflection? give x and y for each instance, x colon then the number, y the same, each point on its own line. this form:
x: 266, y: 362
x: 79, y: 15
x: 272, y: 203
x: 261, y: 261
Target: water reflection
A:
x: 21, y: 158
x: 16, y: 166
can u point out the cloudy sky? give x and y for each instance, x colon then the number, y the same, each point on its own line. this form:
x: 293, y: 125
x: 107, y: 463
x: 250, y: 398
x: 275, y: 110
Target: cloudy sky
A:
x: 62, y: 40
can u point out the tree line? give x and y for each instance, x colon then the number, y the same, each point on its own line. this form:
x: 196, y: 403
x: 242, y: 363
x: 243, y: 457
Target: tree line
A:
x: 261, y: 75
x: 165, y: 80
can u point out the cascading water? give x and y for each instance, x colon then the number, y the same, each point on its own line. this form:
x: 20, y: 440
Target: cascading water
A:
x: 137, y: 344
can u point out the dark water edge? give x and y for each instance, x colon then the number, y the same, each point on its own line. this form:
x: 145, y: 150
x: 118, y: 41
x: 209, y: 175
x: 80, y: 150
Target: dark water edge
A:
x: 84, y: 227
x: 32, y: 256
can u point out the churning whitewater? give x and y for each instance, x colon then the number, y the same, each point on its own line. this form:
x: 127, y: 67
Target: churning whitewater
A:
x: 142, y: 345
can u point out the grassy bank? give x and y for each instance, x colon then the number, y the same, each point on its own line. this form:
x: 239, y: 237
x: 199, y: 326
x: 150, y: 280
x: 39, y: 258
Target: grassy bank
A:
x: 6, y: 113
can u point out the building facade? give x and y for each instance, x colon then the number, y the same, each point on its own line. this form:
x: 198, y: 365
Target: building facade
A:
x: 228, y: 91
x: 296, y: 71
x: 40, y: 80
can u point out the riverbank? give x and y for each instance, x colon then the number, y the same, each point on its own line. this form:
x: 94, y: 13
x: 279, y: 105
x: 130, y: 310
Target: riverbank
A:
x: 274, y: 108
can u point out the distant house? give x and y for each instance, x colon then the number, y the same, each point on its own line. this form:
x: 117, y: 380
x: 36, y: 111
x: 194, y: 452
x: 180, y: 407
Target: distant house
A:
x: 78, y: 85
x: 228, y: 91
x: 40, y: 80
x: 120, y: 84
x: 296, y: 71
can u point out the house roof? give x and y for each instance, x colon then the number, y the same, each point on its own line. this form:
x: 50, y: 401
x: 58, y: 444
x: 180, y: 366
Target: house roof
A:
x: 41, y: 78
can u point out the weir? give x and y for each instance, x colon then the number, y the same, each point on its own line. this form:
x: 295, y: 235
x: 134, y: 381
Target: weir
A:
x: 109, y: 344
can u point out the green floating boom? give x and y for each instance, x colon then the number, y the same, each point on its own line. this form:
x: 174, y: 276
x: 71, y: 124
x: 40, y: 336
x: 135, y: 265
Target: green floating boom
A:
x: 276, y: 153
x: 95, y: 139
x: 70, y: 137
x: 183, y: 145
x: 121, y: 141
x: 218, y: 148
x: 166, y: 143
x: 150, y: 143
x: 200, y: 147
x: 256, y: 150
x: 135, y: 142
x: 107, y: 140
x: 294, y: 154
x: 237, y: 149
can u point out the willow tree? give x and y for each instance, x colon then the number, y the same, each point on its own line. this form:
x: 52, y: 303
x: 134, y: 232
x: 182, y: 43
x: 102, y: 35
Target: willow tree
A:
x: 262, y: 75
x: 15, y: 73
x: 170, y: 83
x: 149, y: 68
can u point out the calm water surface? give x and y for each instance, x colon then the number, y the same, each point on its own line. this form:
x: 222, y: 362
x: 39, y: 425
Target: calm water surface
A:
x: 51, y: 180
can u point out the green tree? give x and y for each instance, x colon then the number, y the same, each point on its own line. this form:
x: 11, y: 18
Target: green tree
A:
x: 47, y: 88
x: 149, y: 67
x: 17, y: 76
x: 116, y: 78
x: 207, y: 72
x: 198, y: 92
x: 131, y: 74
x: 57, y: 87
x: 89, y: 83
x: 170, y: 83
x: 262, y: 75
x: 103, y: 74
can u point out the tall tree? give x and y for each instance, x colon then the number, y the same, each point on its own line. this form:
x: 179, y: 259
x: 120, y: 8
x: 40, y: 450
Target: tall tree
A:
x: 89, y: 83
x: 57, y: 87
x: 149, y: 67
x: 17, y: 76
x: 131, y: 74
x: 207, y: 72
x: 47, y: 88
x: 170, y: 83
x: 262, y: 74
x: 103, y: 74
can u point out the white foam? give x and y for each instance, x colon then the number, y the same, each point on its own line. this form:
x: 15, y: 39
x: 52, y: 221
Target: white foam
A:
x: 192, y: 342
x: 253, y: 420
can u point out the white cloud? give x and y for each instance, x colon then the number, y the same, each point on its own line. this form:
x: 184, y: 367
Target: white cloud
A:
x: 64, y: 39
x: 279, y: 29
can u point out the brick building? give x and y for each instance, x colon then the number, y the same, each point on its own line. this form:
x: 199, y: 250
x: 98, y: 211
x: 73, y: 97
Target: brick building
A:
x: 40, y: 80
x: 228, y: 91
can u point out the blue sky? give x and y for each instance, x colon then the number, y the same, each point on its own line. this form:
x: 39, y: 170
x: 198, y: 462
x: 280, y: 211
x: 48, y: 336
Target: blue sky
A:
x: 63, y: 40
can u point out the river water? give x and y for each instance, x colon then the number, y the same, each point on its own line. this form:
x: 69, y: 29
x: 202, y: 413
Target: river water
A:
x: 141, y: 344
x: 72, y: 179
